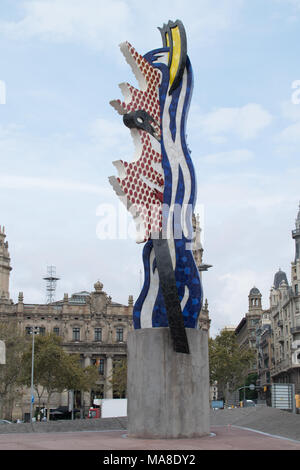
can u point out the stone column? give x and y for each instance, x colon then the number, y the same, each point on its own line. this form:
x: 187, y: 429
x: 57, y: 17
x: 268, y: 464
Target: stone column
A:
x: 86, y: 360
x: 5, y: 267
x: 168, y: 392
x: 109, y: 369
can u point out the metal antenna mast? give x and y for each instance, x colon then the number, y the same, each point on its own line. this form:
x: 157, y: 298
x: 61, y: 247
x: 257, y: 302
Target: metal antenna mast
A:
x: 51, y: 283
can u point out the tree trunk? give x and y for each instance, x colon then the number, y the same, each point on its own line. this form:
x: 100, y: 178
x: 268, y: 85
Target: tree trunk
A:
x: 1, y: 405
x: 48, y: 406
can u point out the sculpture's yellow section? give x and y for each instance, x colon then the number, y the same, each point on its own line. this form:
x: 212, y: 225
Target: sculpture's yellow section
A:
x: 176, y: 53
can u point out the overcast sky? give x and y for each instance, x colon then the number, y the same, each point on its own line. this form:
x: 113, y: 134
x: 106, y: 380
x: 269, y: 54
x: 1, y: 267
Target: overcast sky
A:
x: 61, y: 65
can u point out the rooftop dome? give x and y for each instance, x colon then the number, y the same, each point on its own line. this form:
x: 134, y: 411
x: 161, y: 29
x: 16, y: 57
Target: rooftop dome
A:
x: 254, y: 291
x: 279, y: 277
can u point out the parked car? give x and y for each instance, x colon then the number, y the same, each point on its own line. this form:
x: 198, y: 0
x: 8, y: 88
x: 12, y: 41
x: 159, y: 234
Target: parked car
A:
x: 249, y: 403
x: 62, y: 412
x: 5, y: 421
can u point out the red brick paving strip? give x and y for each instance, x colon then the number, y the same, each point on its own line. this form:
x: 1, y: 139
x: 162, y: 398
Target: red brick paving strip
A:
x: 223, y: 438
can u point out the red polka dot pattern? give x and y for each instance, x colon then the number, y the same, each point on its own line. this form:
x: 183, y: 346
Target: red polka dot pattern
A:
x: 138, y: 184
x: 145, y: 199
x: 147, y: 100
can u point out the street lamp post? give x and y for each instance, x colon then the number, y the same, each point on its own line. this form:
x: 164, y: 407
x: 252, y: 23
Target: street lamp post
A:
x: 34, y: 331
x: 251, y: 387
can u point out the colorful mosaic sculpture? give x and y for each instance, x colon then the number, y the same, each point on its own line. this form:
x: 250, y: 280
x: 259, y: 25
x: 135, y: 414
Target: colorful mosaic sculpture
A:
x: 159, y: 186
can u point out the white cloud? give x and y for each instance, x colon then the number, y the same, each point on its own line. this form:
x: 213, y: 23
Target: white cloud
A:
x: 112, y: 138
x: 233, y: 289
x: 247, y: 215
x: 93, y: 22
x: 290, y: 111
x: 289, y: 137
x: 47, y: 184
x: 243, y: 190
x: 245, y: 122
x: 295, y: 3
x: 109, y: 133
x: 291, y: 134
x: 100, y: 23
x: 228, y: 157
x: 9, y: 130
x: 248, y: 223
x: 204, y: 20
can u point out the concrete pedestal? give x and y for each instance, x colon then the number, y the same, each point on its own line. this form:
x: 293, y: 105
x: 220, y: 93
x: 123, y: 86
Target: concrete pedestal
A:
x: 168, y: 392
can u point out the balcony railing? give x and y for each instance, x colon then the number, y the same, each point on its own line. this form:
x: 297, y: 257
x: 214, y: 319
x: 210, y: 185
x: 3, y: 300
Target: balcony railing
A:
x: 281, y: 365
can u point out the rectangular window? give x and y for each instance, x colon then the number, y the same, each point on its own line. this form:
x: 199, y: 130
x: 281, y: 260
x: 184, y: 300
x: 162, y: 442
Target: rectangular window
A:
x: 119, y: 334
x: 42, y: 331
x: 37, y: 330
x: 56, y: 330
x: 98, y: 334
x: 99, y: 363
x: 76, y: 334
x: 101, y: 366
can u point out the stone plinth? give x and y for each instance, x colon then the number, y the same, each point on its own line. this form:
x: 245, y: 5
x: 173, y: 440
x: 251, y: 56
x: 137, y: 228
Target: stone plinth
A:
x: 168, y: 392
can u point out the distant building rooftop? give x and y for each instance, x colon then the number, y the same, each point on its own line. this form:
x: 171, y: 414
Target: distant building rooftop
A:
x: 279, y: 277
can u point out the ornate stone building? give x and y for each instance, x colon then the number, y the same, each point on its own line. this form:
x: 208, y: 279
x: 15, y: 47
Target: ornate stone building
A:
x: 204, y: 320
x: 283, y: 353
x: 278, y: 329
x: 90, y: 324
x: 246, y: 330
x: 5, y: 267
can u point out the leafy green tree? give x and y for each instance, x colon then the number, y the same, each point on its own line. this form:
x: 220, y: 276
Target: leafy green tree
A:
x: 228, y: 363
x: 10, y: 372
x: 54, y: 369
x: 249, y: 394
x: 89, y: 378
x: 118, y: 379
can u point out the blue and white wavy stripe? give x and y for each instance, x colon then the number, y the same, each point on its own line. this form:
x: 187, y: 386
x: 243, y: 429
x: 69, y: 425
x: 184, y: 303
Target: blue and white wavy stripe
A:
x: 179, y: 191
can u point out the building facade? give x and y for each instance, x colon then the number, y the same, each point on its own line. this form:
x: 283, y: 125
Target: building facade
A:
x: 246, y: 330
x: 277, y: 333
x: 284, y: 351
x: 204, y: 320
x: 90, y: 325
x: 5, y: 267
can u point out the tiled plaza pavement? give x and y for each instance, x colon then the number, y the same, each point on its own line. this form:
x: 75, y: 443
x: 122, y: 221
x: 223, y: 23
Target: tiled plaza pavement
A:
x: 222, y: 438
x: 259, y: 428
